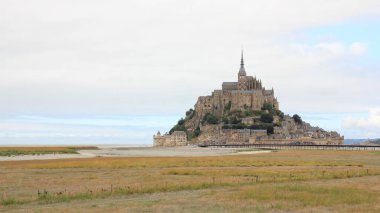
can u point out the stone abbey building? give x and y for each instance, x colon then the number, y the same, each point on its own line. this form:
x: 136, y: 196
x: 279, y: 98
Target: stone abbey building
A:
x: 247, y: 93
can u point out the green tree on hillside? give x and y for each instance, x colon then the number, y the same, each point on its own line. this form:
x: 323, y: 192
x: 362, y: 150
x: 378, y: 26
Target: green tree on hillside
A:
x: 189, y: 114
x: 181, y: 122
x: 248, y: 113
x: 210, y: 118
x: 267, y: 106
x: 266, y: 118
x: 297, y: 119
x: 280, y: 114
x: 178, y: 128
x: 197, y: 132
x: 235, y: 120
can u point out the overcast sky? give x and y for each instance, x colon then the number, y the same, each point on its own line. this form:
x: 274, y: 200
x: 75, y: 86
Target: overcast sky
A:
x: 145, y: 63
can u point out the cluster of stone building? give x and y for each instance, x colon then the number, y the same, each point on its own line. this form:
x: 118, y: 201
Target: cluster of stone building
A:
x: 177, y: 138
x: 291, y: 132
x: 245, y: 94
x: 290, y: 129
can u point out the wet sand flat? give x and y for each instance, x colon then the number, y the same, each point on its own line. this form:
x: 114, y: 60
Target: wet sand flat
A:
x: 122, y: 151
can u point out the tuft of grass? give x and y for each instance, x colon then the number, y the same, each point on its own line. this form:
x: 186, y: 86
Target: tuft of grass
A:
x: 182, y: 172
x: 11, y: 201
x: 68, y: 197
x: 150, y: 203
x: 375, y: 152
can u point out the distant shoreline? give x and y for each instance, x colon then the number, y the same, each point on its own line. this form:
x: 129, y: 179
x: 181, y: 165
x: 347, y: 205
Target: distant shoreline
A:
x: 346, y: 142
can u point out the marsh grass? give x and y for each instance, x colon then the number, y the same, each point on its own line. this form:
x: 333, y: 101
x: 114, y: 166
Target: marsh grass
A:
x: 15, y: 151
x: 285, y: 180
x: 311, y: 195
x: 229, y: 178
x: 120, y: 191
x: 172, y: 162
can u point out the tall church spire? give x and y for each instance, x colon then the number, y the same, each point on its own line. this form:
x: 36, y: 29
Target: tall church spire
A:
x: 242, y: 59
x: 242, y: 69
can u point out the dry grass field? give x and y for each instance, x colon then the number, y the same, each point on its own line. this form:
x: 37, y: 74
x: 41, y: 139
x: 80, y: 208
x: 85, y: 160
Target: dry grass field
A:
x: 283, y: 181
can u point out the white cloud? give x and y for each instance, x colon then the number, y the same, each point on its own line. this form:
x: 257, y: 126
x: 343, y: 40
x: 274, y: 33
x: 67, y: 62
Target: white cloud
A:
x: 323, y: 77
x: 358, y: 48
x: 326, y: 51
x: 156, y: 57
x: 369, y: 126
x: 334, y: 48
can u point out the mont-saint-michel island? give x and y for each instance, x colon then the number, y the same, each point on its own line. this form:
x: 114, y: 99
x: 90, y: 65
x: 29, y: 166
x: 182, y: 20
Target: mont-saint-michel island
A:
x: 243, y: 112
x: 152, y: 106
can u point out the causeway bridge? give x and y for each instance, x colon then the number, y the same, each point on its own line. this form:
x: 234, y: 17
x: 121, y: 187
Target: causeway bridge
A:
x: 295, y: 146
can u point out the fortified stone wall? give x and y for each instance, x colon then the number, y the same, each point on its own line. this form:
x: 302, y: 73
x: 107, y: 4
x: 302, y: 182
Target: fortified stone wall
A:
x: 214, y: 134
x: 177, y: 138
x: 305, y: 140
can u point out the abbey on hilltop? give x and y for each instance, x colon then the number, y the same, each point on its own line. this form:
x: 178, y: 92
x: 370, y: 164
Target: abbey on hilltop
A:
x: 239, y: 113
x: 245, y: 94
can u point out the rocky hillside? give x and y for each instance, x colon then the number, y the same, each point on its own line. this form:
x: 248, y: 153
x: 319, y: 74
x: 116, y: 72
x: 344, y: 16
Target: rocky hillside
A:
x: 276, y: 124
